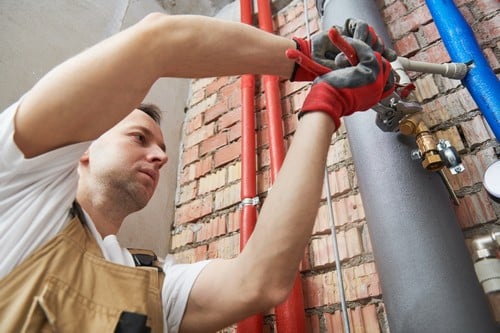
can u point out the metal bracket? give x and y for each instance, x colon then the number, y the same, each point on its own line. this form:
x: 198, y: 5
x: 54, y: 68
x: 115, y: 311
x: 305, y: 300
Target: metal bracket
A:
x: 250, y: 202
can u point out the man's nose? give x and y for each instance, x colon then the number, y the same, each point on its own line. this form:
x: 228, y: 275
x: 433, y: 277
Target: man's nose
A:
x: 158, y: 156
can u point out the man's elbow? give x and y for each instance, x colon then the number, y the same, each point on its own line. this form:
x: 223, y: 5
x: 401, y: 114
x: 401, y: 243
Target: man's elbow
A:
x: 271, y: 294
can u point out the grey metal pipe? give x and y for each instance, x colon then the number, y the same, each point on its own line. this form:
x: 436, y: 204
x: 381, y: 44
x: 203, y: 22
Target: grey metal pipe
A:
x: 426, y: 273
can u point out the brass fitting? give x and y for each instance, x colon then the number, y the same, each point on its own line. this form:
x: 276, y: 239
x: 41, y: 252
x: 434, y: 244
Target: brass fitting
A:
x: 426, y: 141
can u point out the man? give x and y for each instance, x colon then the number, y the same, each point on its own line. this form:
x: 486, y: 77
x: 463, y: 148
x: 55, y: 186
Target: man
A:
x: 79, y: 155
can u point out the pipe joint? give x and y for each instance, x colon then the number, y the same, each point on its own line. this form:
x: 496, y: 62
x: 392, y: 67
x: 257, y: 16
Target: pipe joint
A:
x: 486, y: 246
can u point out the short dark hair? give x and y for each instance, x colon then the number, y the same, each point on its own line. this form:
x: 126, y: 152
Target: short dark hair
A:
x: 151, y: 110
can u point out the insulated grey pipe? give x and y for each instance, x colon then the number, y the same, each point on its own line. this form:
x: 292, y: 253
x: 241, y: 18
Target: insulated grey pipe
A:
x: 427, y: 276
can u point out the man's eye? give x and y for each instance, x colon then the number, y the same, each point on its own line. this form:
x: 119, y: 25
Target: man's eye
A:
x: 141, y: 138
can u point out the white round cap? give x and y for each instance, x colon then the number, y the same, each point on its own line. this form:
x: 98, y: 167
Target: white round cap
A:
x: 492, y: 179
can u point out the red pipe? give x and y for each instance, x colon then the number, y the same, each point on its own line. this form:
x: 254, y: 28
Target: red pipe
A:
x: 290, y: 316
x: 248, y: 173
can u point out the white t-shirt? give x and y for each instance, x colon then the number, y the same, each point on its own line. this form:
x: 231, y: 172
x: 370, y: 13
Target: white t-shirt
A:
x: 36, y: 195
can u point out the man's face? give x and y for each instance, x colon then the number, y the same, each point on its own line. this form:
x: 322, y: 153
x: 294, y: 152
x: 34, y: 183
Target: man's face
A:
x: 125, y: 161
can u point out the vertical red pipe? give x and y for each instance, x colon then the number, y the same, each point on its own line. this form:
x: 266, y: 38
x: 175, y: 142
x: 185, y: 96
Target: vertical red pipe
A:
x: 248, y: 173
x: 290, y: 316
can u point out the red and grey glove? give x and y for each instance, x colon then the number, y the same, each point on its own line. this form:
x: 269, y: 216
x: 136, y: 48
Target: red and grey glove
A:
x: 359, y: 29
x: 346, y: 90
x: 323, y: 53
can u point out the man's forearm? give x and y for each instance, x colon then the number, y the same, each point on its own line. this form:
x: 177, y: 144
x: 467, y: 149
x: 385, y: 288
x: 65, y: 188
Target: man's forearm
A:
x: 287, y: 217
x: 208, y: 47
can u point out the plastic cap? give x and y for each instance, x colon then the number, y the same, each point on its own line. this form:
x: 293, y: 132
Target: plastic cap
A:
x: 492, y: 179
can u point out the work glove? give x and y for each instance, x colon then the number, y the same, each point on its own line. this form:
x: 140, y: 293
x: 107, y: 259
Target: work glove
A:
x: 318, y: 55
x: 346, y: 90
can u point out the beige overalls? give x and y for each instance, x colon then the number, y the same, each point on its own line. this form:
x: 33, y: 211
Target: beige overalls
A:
x: 67, y: 286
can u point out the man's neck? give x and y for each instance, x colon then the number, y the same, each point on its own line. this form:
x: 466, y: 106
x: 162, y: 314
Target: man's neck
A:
x: 106, y: 220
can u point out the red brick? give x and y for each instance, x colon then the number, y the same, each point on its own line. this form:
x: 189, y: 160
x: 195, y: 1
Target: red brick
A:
x: 298, y: 100
x: 451, y: 134
x: 217, y: 84
x: 394, y: 11
x: 212, y: 143
x: 194, y: 124
x: 187, y: 192
x: 338, y: 152
x: 194, y: 210
x: 187, y: 174
x: 183, y: 238
x: 288, y: 87
x: 227, y: 154
x: 290, y: 124
x: 305, y: 263
x: 430, y: 33
x: 234, y: 132
x: 487, y: 6
x: 486, y: 157
x: 435, y: 54
x: 214, y: 112
x: 339, y: 183
x: 185, y: 257
x: 426, y: 88
x: 334, y: 322
x: 489, y: 30
x: 475, y: 131
x: 234, y: 172
x: 322, y: 223
x: 199, y: 135
x: 203, y: 166
x: 348, y: 210
x: 286, y: 107
x: 200, y: 253
x: 262, y: 137
x: 227, y: 196
x: 263, y: 181
x: 312, y: 323
x: 214, y: 228
x: 234, y: 100
x: 229, y: 118
x: 190, y: 155
x: 492, y: 59
x: 212, y: 182
x: 475, y: 209
x: 322, y: 251
x: 472, y: 174
x: 410, y: 22
x: 263, y: 158
x: 407, y: 45
x: 233, y: 223
x: 196, y: 97
x: 226, y: 247
x: 279, y: 19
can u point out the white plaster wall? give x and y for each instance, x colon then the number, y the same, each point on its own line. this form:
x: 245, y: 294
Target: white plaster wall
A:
x: 38, y: 35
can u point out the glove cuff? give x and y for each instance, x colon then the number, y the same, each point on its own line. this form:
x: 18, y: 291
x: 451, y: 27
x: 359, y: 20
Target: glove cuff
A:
x: 299, y: 73
x: 324, y: 98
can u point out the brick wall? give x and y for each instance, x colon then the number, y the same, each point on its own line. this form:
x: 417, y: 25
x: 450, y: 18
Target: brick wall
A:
x: 207, y: 213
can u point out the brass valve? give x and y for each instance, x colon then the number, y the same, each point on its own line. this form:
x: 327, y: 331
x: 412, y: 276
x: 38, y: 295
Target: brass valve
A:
x: 426, y: 141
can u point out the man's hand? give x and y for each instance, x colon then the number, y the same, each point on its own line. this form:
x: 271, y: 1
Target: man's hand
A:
x: 346, y: 90
x: 321, y: 50
x: 359, y: 29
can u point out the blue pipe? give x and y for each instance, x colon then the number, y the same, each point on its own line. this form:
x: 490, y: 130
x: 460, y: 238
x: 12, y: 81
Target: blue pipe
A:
x: 462, y: 46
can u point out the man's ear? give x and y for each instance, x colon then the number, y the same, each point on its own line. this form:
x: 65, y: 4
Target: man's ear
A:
x: 84, y: 159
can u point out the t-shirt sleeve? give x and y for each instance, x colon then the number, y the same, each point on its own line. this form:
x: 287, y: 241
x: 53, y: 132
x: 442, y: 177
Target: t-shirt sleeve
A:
x: 35, y: 193
x: 179, y: 280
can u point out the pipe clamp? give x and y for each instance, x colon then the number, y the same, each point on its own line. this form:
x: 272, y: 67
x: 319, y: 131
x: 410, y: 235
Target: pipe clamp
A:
x: 250, y: 202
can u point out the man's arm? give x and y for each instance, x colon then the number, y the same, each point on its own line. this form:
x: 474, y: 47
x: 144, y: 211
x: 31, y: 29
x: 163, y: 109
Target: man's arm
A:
x: 86, y: 95
x: 262, y: 275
